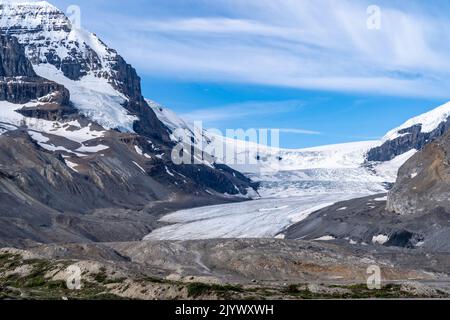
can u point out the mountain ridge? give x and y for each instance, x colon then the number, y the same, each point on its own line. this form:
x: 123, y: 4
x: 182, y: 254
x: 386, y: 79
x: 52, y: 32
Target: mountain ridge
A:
x: 415, y: 133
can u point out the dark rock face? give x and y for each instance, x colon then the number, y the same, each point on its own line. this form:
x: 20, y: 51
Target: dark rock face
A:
x: 412, y: 138
x: 13, y: 62
x: 48, y: 111
x: 127, y: 81
x: 224, y: 181
x: 18, y: 81
x: 24, y: 90
x: 423, y: 182
x: 75, y: 66
x: 401, y: 238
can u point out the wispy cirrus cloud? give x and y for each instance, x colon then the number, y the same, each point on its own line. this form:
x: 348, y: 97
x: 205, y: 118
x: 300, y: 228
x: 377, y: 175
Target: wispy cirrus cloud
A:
x: 299, y: 131
x: 309, y: 44
x: 211, y: 116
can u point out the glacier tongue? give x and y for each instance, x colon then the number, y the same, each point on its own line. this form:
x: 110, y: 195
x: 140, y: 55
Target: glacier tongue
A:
x: 264, y: 218
x: 288, y: 197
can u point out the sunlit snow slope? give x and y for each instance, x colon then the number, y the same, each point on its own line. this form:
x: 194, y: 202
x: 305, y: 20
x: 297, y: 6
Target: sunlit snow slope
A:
x: 428, y: 122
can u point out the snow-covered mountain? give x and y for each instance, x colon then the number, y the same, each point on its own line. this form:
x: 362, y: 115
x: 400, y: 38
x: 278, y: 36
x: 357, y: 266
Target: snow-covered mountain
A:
x: 414, y: 134
x: 102, y: 86
x: 428, y: 122
x: 82, y: 155
x: 73, y: 57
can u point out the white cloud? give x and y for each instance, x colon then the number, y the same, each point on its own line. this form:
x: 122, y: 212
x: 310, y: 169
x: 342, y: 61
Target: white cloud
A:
x: 241, y: 110
x: 299, y: 131
x: 310, y: 44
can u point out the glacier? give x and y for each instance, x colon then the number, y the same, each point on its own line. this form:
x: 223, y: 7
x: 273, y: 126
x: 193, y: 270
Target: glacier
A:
x: 293, y: 185
x: 264, y: 218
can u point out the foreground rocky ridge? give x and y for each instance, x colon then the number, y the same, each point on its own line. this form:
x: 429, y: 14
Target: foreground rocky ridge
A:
x: 231, y: 269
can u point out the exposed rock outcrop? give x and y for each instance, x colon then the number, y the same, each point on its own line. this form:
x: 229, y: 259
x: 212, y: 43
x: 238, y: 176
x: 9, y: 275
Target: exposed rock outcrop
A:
x: 423, y: 182
x: 411, y: 138
x: 23, y: 90
x: 47, y: 111
x: 18, y: 81
x: 13, y: 62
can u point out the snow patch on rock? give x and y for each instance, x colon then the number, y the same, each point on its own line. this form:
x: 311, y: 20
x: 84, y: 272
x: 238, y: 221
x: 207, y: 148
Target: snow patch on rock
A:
x: 325, y: 238
x: 380, y: 239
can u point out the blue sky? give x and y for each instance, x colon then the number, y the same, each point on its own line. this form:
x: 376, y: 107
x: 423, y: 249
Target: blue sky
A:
x: 309, y: 67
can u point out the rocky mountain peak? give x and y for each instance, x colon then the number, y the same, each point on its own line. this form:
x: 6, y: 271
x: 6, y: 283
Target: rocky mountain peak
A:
x: 62, y: 52
x: 49, y: 37
x: 79, y: 146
